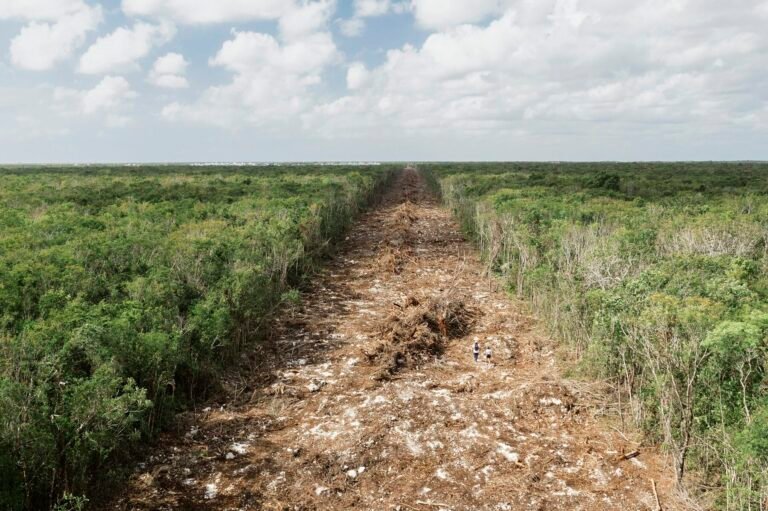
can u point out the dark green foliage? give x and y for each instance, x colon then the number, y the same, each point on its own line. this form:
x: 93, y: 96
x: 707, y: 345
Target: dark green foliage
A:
x: 656, y: 275
x: 123, y: 292
x: 604, y: 180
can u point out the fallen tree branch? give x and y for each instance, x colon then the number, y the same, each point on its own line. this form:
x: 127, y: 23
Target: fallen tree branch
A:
x: 656, y: 494
x: 433, y: 504
x: 628, y: 456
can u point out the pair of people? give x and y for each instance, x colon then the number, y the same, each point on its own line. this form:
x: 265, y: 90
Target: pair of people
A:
x: 476, y: 351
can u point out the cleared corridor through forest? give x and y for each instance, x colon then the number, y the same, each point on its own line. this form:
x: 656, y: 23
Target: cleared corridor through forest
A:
x: 367, y: 397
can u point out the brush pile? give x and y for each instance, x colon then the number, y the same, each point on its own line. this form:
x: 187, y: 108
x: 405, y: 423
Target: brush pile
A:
x: 405, y: 214
x: 399, y: 227
x: 416, y: 331
x: 397, y: 250
x: 393, y: 260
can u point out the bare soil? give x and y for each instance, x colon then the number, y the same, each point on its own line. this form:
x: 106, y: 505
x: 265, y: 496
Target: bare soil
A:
x: 368, y: 397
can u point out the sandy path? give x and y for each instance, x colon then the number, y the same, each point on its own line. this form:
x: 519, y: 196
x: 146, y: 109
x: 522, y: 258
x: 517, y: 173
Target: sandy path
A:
x: 316, y: 430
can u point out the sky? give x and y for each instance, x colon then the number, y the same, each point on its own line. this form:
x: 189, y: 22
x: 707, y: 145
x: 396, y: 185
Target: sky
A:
x: 382, y: 80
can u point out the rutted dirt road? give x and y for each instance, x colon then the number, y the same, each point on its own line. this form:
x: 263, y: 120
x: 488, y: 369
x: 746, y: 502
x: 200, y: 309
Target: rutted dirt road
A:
x: 342, y: 420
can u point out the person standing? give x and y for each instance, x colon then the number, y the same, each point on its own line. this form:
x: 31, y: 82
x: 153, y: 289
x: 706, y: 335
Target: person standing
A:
x: 488, y: 354
x: 476, y: 349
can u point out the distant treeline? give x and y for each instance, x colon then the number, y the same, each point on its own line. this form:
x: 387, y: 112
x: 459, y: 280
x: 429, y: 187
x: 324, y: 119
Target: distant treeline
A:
x: 656, y: 276
x: 125, y: 290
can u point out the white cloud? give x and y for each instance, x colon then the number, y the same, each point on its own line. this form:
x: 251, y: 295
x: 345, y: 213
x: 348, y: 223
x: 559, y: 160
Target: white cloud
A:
x: 681, y: 53
x: 370, y: 8
x: 209, y: 11
x: 55, y: 30
x: 307, y: 18
x: 109, y: 101
x: 109, y: 94
x: 295, y: 17
x: 40, y: 45
x: 357, y: 76
x: 271, y: 83
x: 170, y: 64
x: 762, y: 10
x: 252, y: 53
x: 170, y: 81
x: 438, y: 14
x: 169, y: 70
x: 352, y: 27
x: 33, y: 10
x: 547, y: 64
x: 120, y: 50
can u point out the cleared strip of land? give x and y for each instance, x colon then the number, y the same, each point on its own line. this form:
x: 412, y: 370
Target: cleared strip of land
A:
x: 371, y: 400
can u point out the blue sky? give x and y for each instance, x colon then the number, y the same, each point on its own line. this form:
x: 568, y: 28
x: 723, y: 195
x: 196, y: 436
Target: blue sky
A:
x: 296, y: 80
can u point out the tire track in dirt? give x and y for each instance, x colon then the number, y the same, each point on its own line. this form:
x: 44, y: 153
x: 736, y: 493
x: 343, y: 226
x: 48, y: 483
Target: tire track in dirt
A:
x: 324, y: 425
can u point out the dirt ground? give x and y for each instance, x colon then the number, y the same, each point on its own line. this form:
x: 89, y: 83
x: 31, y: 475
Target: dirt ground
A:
x: 371, y: 400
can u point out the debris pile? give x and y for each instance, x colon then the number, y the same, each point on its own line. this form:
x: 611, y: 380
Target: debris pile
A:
x: 417, y: 331
x: 393, y: 260
x: 399, y: 227
x: 405, y: 214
